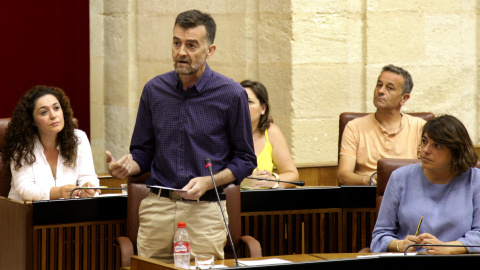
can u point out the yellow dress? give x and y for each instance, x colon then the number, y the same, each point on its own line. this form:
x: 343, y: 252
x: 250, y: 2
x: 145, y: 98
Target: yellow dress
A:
x: 264, y: 162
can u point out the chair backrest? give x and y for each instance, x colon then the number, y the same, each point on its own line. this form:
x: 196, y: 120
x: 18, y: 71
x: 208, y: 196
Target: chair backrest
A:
x: 5, y: 177
x: 137, y: 191
x: 234, y: 210
x: 348, y: 116
x: 385, y: 167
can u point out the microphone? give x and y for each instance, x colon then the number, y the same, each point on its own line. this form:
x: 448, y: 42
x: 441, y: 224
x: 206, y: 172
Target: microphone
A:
x: 208, y: 164
x: 101, y: 188
x: 433, y: 245
x: 297, y: 183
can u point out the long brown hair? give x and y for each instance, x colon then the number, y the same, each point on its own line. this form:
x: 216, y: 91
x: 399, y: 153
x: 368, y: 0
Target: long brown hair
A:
x: 261, y: 93
x: 21, y: 131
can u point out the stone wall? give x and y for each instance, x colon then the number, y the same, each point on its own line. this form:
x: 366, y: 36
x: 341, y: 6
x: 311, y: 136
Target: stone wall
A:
x: 317, y: 58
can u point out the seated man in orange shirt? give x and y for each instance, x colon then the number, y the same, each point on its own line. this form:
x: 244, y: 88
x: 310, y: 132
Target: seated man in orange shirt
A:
x: 387, y: 133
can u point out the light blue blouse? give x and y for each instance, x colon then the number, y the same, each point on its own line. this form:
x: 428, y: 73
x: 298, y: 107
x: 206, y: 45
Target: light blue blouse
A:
x: 451, y: 212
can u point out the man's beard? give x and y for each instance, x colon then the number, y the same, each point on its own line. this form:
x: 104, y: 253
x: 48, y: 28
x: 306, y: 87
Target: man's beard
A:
x: 187, y: 69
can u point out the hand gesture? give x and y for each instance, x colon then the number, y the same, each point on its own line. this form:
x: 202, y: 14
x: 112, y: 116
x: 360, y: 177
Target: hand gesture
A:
x: 119, y: 169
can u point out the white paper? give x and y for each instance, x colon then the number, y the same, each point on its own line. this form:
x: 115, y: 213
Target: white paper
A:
x: 378, y: 255
x: 215, y: 266
x: 161, y: 187
x: 264, y: 262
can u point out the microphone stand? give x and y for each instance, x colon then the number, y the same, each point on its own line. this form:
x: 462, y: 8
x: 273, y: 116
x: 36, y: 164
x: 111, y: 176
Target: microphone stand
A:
x: 208, y: 164
x: 298, y: 183
x: 71, y: 193
x: 432, y: 245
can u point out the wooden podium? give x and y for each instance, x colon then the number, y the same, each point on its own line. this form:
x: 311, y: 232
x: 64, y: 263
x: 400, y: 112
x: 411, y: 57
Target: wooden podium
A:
x: 61, y: 234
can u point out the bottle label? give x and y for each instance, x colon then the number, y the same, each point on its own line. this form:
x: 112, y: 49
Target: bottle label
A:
x: 181, y: 247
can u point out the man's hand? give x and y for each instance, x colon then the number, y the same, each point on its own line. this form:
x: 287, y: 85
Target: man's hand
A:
x: 196, y: 187
x: 123, y: 167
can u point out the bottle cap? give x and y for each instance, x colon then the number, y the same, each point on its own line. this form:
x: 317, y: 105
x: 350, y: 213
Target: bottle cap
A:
x: 182, y: 224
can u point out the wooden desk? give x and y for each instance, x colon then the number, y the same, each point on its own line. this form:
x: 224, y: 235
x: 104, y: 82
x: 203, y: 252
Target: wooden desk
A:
x: 335, y: 262
x: 61, y: 234
x: 310, y: 219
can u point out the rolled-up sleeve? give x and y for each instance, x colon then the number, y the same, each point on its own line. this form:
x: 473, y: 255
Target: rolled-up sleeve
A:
x: 244, y: 160
x: 142, y: 146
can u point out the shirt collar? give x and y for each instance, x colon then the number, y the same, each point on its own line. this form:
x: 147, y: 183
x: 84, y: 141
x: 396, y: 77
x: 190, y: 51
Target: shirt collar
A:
x: 39, y: 144
x: 402, y: 124
x: 201, y: 84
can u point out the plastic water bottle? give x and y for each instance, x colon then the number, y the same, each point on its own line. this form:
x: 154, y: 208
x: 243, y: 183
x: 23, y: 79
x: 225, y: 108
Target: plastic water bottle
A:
x: 181, y: 246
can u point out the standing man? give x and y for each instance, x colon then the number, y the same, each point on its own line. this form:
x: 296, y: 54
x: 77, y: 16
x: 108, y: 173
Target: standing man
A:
x: 387, y: 133
x: 185, y: 116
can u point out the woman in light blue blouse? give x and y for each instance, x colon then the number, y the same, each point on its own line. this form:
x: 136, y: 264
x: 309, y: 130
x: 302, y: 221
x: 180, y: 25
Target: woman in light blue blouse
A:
x: 444, y: 189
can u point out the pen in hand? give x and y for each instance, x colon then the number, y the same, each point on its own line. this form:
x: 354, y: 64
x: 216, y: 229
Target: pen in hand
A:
x: 418, y: 227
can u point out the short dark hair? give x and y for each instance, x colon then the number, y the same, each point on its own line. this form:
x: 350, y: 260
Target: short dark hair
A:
x: 448, y: 131
x: 193, y: 18
x: 261, y: 93
x: 407, y: 79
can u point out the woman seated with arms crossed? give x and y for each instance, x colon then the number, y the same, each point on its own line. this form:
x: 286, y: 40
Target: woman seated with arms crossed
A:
x: 444, y: 188
x: 270, y: 145
x: 46, y: 155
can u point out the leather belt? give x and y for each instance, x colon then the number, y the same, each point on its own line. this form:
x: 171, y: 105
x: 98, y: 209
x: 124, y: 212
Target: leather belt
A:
x: 209, y: 196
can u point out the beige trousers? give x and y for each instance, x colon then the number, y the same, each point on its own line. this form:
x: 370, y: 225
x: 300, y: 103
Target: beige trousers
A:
x: 158, y: 223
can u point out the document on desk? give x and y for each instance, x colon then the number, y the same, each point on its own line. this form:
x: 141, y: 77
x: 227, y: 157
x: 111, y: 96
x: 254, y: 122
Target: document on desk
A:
x: 264, y: 262
x: 378, y: 255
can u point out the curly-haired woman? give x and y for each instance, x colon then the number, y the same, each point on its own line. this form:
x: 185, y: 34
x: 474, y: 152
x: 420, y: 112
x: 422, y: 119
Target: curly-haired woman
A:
x: 45, y: 154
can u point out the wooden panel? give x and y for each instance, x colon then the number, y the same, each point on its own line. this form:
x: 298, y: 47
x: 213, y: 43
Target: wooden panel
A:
x: 295, y: 232
x: 358, y: 224
x: 15, y: 240
x: 108, y: 181
x: 318, y: 174
x: 77, y: 246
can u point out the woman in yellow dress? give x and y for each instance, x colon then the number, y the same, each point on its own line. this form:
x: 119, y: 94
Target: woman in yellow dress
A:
x: 271, y: 147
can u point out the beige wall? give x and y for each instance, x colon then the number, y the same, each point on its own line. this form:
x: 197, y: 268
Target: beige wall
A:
x: 317, y: 58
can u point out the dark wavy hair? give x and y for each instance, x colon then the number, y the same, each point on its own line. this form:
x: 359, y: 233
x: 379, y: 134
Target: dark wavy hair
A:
x: 448, y: 131
x: 21, y: 131
x: 261, y: 93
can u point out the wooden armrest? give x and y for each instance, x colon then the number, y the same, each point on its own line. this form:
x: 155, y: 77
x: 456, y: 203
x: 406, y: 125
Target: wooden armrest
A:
x: 253, y: 246
x: 126, y: 250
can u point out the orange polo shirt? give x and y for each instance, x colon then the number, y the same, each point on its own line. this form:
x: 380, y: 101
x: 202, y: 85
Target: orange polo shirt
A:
x: 365, y: 140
